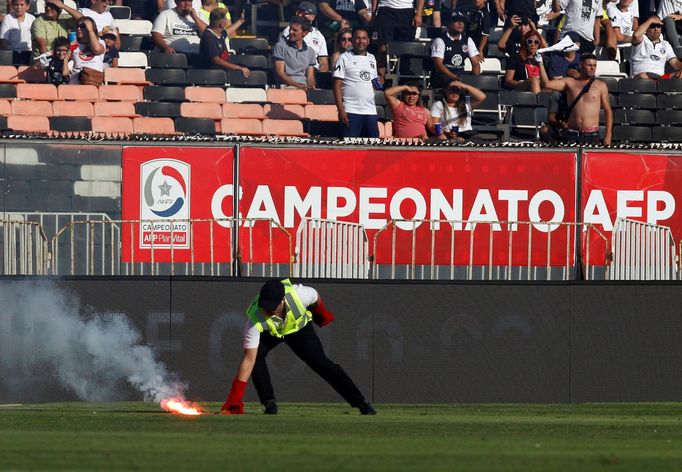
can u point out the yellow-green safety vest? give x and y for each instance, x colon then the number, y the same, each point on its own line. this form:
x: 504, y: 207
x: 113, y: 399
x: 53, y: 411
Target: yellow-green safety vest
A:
x: 297, y: 314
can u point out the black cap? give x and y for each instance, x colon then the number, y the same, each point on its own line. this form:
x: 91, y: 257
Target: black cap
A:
x: 524, y: 21
x: 458, y: 16
x: 271, y: 295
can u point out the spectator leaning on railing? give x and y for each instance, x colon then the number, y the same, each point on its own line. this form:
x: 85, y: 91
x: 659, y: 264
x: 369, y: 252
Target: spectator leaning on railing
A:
x: 650, y: 52
x: 178, y: 29
x: 294, y: 59
x: 15, y: 32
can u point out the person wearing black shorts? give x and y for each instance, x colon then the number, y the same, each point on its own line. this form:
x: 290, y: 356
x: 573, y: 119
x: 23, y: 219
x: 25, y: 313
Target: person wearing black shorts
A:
x: 394, y: 20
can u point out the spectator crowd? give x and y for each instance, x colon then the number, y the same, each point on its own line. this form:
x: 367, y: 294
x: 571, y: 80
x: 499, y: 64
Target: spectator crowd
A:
x: 545, y: 46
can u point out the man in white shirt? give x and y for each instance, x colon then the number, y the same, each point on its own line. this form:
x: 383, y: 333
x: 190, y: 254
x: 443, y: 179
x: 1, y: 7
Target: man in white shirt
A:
x: 650, y: 52
x: 314, y: 39
x: 582, y: 17
x: 354, y: 90
x: 15, y: 32
x: 623, y: 20
x: 282, y: 313
x: 670, y: 11
x: 179, y: 29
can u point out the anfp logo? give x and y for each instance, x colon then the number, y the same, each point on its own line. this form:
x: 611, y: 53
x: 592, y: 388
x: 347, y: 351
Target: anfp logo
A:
x: 164, y: 204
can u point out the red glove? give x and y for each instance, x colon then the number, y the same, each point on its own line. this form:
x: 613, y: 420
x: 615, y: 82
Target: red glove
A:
x: 321, y: 316
x: 234, y: 404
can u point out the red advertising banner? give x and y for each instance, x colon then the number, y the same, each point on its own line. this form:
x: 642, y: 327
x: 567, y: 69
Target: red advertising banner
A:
x: 643, y: 187
x: 373, y: 186
x: 166, y: 186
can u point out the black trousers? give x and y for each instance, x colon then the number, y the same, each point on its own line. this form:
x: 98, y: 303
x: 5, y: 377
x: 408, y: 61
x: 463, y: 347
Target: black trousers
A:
x: 307, y: 346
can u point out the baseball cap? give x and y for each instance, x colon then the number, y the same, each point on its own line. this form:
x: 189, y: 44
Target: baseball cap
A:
x: 308, y: 7
x: 457, y: 16
x: 271, y: 294
x: 575, y: 37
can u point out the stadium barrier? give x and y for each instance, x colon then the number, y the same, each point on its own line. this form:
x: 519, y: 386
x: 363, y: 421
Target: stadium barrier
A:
x: 24, y: 248
x: 329, y: 248
x: 642, y: 251
x: 111, y: 247
x: 491, y: 250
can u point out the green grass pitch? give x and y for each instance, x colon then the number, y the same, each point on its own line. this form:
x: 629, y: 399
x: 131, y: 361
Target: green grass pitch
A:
x: 448, y: 437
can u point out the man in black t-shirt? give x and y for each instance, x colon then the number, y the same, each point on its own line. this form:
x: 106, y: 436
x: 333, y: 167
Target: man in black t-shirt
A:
x: 212, y: 47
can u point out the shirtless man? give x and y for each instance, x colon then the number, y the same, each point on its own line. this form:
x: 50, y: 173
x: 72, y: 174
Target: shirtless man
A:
x: 583, y: 123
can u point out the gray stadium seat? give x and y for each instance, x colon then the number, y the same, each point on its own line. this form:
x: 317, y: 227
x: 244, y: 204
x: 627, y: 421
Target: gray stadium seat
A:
x: 202, y: 126
x: 155, y: 93
x: 158, y: 109
x: 632, y: 134
x: 70, y: 123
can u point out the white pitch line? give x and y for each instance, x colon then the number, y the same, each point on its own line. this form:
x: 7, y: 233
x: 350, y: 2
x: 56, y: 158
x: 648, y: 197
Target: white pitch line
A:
x: 10, y: 404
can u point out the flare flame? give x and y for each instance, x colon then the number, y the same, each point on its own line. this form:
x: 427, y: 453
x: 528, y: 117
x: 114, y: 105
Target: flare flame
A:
x: 180, y: 406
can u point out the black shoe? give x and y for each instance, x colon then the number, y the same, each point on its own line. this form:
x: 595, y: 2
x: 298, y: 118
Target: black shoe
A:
x: 367, y: 409
x: 270, y: 407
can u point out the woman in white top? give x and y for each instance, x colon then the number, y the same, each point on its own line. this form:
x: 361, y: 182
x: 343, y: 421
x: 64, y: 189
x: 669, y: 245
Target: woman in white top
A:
x: 89, y: 54
x: 454, y: 110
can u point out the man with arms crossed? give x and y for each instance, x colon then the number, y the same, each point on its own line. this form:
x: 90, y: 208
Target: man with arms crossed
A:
x: 353, y: 89
x: 583, y: 121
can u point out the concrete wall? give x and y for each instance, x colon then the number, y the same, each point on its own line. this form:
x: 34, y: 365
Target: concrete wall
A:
x: 420, y: 342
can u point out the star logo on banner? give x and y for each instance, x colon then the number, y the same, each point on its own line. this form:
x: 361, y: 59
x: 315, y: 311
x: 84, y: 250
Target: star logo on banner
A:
x: 165, y: 189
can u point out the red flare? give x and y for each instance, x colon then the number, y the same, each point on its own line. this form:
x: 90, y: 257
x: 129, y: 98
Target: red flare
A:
x: 181, y: 407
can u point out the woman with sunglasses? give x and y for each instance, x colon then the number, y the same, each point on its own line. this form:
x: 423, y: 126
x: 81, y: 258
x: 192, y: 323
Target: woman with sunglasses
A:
x: 88, y: 57
x: 410, y: 120
x: 342, y: 43
x: 454, y: 110
x: 523, y: 70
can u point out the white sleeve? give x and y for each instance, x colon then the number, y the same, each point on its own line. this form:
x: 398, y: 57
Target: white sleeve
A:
x: 285, y: 34
x: 669, y: 53
x: 307, y: 295
x: 340, y: 67
x: 438, y: 48
x: 473, y: 50
x: 4, y: 28
x: 251, y: 335
x: 323, y: 48
x: 159, y: 25
x: 437, y: 109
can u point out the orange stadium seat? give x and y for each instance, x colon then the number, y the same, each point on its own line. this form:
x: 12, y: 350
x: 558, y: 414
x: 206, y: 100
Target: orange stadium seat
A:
x: 28, y: 123
x: 287, y: 96
x: 112, y: 125
x: 123, y: 93
x: 9, y: 75
x: 5, y: 108
x: 124, y: 76
x: 249, y: 126
x: 72, y: 109
x: 126, y: 109
x: 37, y: 92
x: 31, y: 74
x: 201, y: 110
x: 31, y: 108
x: 78, y: 92
x: 284, y: 128
x: 284, y: 112
x: 155, y: 125
x: 205, y: 94
x: 322, y: 112
x: 243, y: 110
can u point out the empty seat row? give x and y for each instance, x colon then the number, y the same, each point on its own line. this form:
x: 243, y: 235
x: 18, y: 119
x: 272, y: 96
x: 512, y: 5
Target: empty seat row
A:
x: 217, y: 111
x: 152, y: 125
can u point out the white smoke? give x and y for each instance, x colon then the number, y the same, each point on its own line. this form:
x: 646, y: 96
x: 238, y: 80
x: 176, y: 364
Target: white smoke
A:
x: 44, y: 337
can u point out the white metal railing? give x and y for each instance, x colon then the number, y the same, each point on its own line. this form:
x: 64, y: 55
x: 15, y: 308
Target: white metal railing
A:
x: 24, y: 248
x: 642, y: 251
x: 329, y: 248
x: 95, y: 248
x: 386, y: 265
